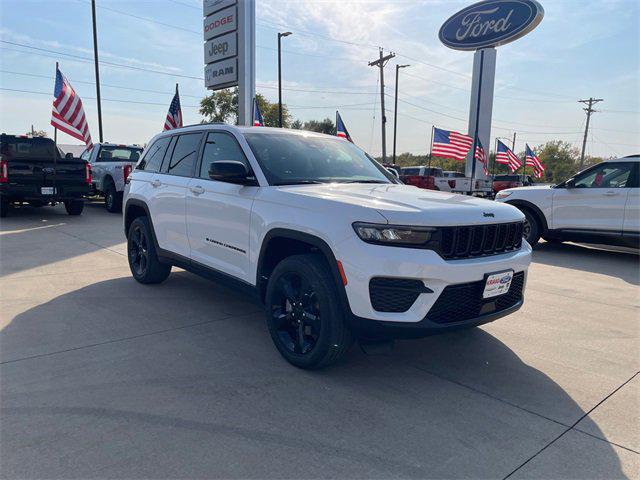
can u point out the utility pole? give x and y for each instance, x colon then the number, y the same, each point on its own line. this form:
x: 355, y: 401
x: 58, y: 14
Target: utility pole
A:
x: 395, y: 113
x: 590, y: 102
x: 95, y: 59
x: 280, y: 35
x: 380, y: 63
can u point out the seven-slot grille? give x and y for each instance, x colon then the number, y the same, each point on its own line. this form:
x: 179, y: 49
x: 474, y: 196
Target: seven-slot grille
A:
x: 479, y: 240
x: 464, y: 301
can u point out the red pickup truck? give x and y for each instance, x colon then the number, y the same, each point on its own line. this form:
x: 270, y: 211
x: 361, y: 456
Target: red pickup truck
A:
x: 421, y: 177
x: 502, y: 182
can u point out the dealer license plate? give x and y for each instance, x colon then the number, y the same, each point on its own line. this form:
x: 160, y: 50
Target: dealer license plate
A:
x: 47, y: 190
x: 497, y: 284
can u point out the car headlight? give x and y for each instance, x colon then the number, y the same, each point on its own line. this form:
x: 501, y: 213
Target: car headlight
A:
x: 393, y: 234
x: 503, y: 194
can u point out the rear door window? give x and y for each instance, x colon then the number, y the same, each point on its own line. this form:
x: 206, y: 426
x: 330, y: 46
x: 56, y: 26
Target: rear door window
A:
x: 183, y: 158
x: 153, y: 155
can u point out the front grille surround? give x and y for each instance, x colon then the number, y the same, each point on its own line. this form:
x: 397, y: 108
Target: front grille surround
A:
x: 395, y: 295
x: 464, y: 301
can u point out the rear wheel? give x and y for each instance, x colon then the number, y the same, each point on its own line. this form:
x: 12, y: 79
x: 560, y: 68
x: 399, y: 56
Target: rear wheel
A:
x: 531, y: 231
x: 141, y: 252
x: 74, y: 207
x: 112, y: 199
x: 306, y: 323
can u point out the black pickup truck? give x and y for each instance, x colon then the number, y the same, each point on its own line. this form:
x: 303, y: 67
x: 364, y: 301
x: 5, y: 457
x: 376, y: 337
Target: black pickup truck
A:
x: 34, y: 171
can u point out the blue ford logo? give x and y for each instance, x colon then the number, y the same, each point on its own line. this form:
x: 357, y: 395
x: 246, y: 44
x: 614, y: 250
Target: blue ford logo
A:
x: 490, y: 23
x: 504, y: 280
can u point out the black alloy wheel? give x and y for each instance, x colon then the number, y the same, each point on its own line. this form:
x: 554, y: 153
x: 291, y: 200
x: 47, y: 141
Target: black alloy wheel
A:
x: 138, y: 250
x: 295, y: 312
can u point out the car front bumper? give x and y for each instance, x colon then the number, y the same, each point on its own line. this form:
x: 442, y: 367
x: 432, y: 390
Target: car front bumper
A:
x: 365, y: 262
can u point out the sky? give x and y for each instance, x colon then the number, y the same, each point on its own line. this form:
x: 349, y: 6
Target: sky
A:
x: 580, y: 50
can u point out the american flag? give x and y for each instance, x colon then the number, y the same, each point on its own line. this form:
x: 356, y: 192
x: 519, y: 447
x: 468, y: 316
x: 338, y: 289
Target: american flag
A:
x: 481, y: 156
x: 341, y: 129
x: 258, y: 121
x: 450, y: 144
x: 505, y: 156
x: 532, y: 160
x: 174, y: 115
x: 68, y: 114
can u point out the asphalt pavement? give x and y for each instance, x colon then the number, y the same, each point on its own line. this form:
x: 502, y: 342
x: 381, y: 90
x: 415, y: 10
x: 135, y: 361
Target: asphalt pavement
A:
x: 101, y: 377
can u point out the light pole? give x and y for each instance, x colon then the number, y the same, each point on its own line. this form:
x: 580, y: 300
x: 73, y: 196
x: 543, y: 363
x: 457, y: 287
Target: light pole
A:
x: 280, y: 35
x: 395, y: 113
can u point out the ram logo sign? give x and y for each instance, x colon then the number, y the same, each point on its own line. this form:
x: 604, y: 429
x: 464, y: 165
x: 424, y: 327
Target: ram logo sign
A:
x: 490, y: 23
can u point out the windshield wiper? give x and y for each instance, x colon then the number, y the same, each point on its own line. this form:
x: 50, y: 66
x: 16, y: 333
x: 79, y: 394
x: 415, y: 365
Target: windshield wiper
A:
x: 298, y: 182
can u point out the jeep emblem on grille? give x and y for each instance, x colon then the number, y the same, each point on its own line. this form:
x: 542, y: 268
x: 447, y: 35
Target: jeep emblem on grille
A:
x: 488, y: 214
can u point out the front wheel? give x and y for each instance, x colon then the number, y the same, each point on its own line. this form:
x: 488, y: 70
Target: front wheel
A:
x: 305, y: 321
x: 141, y: 252
x: 531, y: 229
x: 74, y: 207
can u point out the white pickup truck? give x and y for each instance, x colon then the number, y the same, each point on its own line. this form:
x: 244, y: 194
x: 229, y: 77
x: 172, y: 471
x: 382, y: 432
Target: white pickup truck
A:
x: 111, y: 164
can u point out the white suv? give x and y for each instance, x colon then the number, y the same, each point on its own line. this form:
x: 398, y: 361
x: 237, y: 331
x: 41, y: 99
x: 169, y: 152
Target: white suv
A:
x: 598, y: 205
x: 333, y: 244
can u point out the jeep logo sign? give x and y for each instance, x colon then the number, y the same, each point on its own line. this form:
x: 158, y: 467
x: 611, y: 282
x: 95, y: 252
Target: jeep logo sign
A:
x: 490, y: 23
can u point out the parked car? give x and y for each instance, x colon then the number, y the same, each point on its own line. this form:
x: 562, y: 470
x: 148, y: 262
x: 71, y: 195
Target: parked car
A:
x: 433, y: 178
x: 33, y: 170
x: 598, y: 205
x: 333, y: 244
x: 502, y: 182
x: 111, y: 164
x: 430, y: 178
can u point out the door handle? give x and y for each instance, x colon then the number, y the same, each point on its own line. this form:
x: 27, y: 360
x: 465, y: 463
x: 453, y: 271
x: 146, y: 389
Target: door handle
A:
x: 610, y: 194
x: 197, y: 190
x: 156, y: 183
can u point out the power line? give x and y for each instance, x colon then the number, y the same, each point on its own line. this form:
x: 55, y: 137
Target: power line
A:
x: 590, y: 102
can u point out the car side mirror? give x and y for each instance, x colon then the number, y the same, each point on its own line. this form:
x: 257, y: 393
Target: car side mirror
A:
x: 69, y: 156
x: 230, y: 171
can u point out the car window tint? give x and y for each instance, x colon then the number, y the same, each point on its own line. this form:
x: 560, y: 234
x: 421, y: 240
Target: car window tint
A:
x: 153, y: 155
x: 184, y: 155
x: 220, y: 146
x: 607, y: 175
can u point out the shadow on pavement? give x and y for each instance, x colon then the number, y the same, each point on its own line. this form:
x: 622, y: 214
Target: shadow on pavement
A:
x: 181, y: 379
x: 619, y: 262
x: 35, y: 237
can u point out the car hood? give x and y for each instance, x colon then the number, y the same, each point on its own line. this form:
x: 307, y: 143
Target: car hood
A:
x: 408, y: 205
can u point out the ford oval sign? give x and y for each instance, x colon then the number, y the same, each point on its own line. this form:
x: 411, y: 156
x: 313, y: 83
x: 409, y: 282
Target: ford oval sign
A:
x: 490, y: 23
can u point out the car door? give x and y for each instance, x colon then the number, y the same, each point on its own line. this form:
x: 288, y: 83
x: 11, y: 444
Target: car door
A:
x: 219, y: 213
x: 596, y: 201
x: 631, y: 224
x: 168, y: 200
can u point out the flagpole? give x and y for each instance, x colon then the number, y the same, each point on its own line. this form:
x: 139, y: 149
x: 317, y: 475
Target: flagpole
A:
x: 431, y: 145
x: 55, y: 129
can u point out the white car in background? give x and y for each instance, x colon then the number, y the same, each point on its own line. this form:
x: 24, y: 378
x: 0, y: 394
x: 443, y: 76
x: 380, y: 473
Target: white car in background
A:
x: 598, y: 205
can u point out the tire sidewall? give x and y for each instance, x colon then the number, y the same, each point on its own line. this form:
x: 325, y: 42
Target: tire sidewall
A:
x: 330, y: 314
x: 139, y: 222
x: 534, y: 225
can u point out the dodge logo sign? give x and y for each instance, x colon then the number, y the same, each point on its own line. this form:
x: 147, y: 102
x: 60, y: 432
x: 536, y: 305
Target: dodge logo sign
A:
x: 490, y: 23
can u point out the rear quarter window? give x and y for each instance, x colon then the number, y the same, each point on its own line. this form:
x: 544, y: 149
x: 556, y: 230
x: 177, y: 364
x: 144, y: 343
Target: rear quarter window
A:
x: 153, y: 155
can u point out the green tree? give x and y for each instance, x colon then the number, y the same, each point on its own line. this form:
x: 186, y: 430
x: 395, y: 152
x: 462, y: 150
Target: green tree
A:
x: 322, y: 126
x: 222, y: 106
x: 37, y: 133
x: 297, y: 125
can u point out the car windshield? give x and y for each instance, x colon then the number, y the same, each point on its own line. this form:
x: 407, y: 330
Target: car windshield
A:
x: 294, y: 158
x: 125, y: 154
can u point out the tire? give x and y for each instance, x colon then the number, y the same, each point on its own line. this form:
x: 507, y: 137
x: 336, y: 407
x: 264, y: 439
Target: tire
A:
x: 141, y: 252
x: 4, y: 207
x: 74, y: 207
x: 305, y: 321
x: 532, y: 228
x: 112, y: 199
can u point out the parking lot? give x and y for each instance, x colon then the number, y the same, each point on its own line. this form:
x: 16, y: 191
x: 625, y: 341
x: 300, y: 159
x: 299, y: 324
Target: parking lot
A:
x: 104, y: 377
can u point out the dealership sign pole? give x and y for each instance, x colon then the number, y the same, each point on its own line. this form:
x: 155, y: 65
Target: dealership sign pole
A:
x: 482, y: 27
x: 229, y: 50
